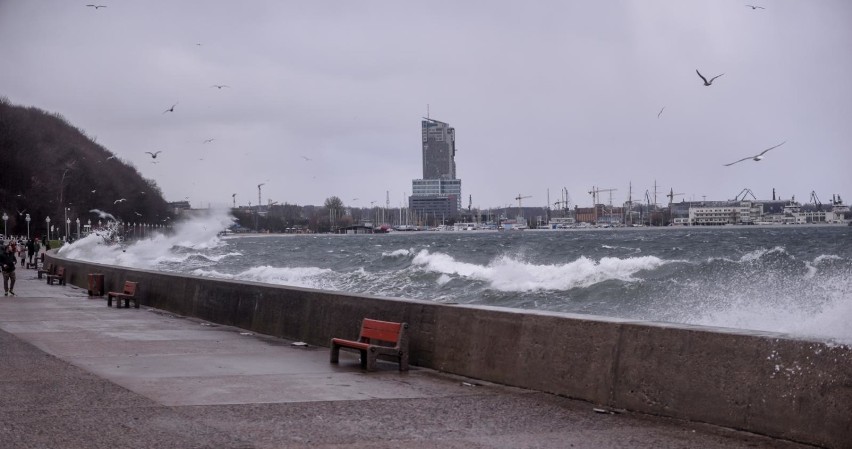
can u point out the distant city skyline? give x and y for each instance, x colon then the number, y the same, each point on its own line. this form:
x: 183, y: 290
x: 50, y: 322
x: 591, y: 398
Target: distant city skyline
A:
x: 323, y: 99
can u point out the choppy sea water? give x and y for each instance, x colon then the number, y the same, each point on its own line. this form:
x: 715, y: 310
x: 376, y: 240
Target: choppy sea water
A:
x: 793, y: 279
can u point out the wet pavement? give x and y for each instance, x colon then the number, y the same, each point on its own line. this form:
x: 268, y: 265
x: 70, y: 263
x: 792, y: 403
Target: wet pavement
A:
x: 75, y: 373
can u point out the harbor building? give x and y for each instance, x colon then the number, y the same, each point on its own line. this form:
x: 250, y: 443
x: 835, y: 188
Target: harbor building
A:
x: 438, y: 192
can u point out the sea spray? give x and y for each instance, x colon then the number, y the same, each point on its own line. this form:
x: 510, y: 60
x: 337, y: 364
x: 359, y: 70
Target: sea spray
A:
x: 792, y: 279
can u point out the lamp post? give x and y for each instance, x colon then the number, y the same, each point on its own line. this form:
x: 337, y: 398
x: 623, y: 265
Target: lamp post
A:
x: 89, y: 222
x: 47, y: 220
x: 78, y: 228
x: 67, y: 226
x: 27, y: 218
x: 5, y: 217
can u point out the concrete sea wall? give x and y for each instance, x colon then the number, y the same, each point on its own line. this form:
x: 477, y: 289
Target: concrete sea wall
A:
x: 766, y: 383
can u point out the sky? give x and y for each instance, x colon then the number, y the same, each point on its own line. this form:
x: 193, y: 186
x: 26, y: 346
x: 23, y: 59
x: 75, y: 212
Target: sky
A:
x: 325, y: 98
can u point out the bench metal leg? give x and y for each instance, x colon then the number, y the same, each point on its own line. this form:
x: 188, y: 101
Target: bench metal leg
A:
x: 369, y: 359
x: 335, y: 353
x: 403, y: 361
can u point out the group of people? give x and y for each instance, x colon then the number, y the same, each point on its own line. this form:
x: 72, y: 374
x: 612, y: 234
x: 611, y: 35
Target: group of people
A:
x: 25, y: 250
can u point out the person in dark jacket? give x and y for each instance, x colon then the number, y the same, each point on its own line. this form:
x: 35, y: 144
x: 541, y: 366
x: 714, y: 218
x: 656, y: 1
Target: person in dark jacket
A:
x: 7, y: 263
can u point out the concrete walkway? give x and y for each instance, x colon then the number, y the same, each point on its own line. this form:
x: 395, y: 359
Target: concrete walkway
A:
x: 77, y: 374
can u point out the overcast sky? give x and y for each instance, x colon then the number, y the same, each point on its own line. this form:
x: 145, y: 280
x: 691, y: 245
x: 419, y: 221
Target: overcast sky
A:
x: 326, y: 97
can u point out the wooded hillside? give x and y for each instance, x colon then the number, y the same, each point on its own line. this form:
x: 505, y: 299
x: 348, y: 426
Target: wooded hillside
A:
x: 47, y: 165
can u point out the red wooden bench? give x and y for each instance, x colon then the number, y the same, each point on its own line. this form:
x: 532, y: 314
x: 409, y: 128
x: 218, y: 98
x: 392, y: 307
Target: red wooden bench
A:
x: 48, y: 269
x: 376, y: 338
x: 128, y: 294
x: 59, y: 276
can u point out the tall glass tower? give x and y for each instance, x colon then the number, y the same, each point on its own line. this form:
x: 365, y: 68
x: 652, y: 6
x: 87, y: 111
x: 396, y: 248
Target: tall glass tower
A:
x: 439, y: 163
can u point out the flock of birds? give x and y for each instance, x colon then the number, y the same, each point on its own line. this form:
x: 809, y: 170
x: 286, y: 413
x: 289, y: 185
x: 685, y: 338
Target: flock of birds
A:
x: 707, y: 82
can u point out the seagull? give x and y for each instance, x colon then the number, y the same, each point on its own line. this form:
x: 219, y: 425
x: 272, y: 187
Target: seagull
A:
x: 208, y: 140
x: 137, y: 213
x: 153, y: 155
x: 93, y: 191
x: 707, y: 83
x: 306, y: 158
x: 121, y: 200
x: 661, y: 112
x: 171, y: 109
x: 111, y: 157
x: 755, y: 7
x: 96, y: 6
x: 756, y: 157
x: 21, y: 212
x: 220, y: 86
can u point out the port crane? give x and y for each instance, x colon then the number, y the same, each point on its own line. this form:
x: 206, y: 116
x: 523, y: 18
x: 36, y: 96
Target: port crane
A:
x: 815, y: 200
x: 745, y: 192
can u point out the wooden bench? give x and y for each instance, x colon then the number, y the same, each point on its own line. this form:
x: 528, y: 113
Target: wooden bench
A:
x: 46, y: 270
x: 376, y: 338
x: 59, y: 276
x: 128, y: 294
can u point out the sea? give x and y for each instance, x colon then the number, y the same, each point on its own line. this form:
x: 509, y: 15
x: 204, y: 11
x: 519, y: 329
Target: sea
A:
x: 794, y: 279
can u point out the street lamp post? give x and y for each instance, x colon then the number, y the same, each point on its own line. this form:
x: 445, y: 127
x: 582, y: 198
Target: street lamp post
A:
x: 27, y: 218
x: 67, y: 226
x: 47, y: 220
x: 78, y: 228
x: 5, y: 217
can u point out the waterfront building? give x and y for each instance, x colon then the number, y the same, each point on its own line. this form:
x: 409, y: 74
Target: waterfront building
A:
x: 438, y: 191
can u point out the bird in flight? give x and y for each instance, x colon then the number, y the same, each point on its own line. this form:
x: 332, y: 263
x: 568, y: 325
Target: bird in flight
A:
x: 111, y: 157
x: 756, y: 157
x: 208, y: 140
x: 306, y: 158
x: 220, y: 86
x: 120, y: 200
x: 171, y: 109
x: 755, y: 7
x: 96, y: 6
x: 93, y: 191
x: 661, y: 112
x: 137, y: 213
x: 153, y: 155
x: 707, y: 83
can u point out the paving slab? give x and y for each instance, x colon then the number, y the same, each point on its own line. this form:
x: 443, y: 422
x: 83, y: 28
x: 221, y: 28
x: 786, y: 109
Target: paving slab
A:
x: 78, y: 374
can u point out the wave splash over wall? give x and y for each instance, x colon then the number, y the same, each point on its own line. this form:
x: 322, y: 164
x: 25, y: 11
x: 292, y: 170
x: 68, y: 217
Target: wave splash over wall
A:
x: 787, y: 280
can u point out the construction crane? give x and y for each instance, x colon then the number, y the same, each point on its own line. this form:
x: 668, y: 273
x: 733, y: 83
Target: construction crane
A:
x: 596, y: 193
x: 671, y: 196
x: 519, y: 198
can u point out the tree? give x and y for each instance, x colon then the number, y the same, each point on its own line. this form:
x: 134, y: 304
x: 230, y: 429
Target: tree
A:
x: 335, y: 208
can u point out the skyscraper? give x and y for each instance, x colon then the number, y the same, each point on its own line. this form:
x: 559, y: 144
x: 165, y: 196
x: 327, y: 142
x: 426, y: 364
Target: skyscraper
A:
x: 439, y: 191
x: 439, y: 150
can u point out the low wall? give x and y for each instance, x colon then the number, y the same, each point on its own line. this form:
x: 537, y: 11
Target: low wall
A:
x: 765, y: 383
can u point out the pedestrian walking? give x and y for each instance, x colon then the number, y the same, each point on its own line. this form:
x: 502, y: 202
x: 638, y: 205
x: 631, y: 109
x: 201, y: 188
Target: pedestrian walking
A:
x: 7, y: 263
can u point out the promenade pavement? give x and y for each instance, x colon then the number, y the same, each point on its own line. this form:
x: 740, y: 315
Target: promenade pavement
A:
x: 77, y: 374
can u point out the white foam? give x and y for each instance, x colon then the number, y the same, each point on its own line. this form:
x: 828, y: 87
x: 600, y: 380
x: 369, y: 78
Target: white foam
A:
x: 511, y: 275
x: 200, y: 233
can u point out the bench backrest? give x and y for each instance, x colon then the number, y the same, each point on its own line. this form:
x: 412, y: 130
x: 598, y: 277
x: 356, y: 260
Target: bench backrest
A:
x: 385, y: 331
x: 60, y: 271
x: 129, y: 288
x: 49, y: 268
